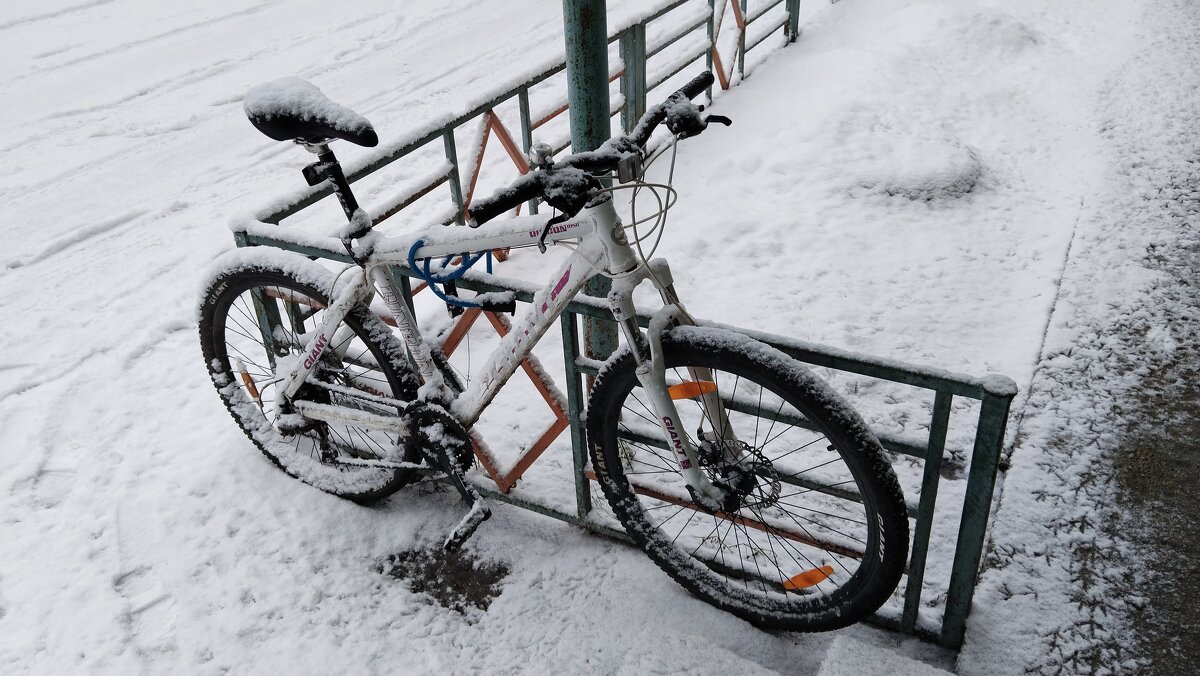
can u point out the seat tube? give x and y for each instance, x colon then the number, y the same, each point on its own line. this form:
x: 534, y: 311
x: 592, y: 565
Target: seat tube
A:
x: 417, y: 348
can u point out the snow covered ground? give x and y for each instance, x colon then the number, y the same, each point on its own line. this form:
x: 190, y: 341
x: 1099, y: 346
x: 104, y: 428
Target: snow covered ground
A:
x: 949, y: 183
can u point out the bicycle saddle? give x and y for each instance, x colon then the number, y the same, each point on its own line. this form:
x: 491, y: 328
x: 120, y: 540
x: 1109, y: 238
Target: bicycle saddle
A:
x: 292, y: 109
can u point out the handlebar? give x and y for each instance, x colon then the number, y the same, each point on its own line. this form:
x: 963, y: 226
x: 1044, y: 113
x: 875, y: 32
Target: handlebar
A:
x: 521, y: 191
x: 567, y: 184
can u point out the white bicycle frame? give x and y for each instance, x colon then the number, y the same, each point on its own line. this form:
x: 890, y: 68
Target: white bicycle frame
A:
x: 601, y: 246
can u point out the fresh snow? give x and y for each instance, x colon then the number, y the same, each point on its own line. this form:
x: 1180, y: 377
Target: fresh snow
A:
x: 850, y: 657
x: 959, y: 184
x: 295, y: 98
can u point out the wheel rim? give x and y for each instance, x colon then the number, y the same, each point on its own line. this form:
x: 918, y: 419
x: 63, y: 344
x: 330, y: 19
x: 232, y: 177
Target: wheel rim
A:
x: 800, y: 533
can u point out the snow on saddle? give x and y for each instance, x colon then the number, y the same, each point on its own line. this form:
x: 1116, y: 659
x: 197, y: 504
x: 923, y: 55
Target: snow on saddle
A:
x: 291, y: 109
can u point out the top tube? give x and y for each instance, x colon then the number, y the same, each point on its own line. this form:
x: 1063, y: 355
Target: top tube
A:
x: 521, y: 231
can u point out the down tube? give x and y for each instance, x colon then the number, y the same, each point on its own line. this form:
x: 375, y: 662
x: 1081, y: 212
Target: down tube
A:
x: 533, y: 322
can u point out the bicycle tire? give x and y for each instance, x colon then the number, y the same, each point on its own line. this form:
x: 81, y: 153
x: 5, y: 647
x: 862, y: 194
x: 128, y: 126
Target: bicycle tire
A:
x: 848, y: 486
x: 376, y: 364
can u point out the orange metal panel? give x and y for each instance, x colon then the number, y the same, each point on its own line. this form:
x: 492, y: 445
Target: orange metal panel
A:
x: 485, y: 129
x: 510, y: 146
x: 505, y: 482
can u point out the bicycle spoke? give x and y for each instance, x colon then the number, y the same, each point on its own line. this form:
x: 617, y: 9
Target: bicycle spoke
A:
x: 810, y: 509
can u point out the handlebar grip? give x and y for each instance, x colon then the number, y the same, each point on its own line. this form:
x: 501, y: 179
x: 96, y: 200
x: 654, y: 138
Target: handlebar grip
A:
x: 525, y: 189
x: 641, y: 134
x: 697, y: 85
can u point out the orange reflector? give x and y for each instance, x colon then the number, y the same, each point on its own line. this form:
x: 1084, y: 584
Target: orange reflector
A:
x: 691, y: 389
x: 248, y: 382
x: 808, y: 578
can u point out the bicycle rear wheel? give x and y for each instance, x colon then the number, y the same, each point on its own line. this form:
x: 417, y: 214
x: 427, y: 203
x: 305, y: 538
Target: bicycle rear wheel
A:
x: 256, y: 315
x: 817, y: 537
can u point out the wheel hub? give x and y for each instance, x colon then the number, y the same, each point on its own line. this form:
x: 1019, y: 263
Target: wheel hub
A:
x: 751, y: 481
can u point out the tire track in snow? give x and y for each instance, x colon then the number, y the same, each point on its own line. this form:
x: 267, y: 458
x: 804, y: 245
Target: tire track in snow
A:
x: 39, y: 380
x: 390, y: 96
x: 53, y: 15
x: 74, y: 238
x: 66, y: 174
x: 86, y: 233
x: 56, y: 51
x: 53, y: 478
x: 198, y: 75
x: 126, y: 46
x: 382, y: 99
x: 161, y: 87
x: 158, y: 336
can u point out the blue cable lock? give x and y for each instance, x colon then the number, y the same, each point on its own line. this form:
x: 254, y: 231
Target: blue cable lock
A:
x: 426, y: 275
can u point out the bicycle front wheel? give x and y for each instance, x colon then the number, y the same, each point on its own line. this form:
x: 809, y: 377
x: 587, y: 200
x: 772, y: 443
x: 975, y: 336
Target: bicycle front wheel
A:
x: 257, y: 314
x: 815, y: 536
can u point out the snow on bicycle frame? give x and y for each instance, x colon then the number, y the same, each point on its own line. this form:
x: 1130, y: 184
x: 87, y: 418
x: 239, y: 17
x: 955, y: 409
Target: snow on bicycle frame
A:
x: 593, y: 253
x: 995, y: 395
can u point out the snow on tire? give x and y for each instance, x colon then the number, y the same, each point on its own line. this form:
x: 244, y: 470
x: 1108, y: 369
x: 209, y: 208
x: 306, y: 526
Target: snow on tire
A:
x: 818, y: 536
x: 256, y: 311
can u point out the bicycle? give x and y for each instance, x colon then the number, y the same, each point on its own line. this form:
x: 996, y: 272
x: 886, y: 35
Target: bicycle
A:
x: 740, y: 473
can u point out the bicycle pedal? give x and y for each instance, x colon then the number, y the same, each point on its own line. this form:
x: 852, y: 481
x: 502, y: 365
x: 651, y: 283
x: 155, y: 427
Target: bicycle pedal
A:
x: 467, y: 526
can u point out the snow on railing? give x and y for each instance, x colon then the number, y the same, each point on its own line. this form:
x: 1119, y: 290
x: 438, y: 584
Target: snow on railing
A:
x: 675, y: 43
x: 673, y: 48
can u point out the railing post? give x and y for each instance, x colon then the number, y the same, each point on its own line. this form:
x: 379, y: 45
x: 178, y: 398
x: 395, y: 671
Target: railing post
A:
x: 586, y: 28
x: 977, y: 503
x: 793, y: 24
x: 526, y: 135
x: 456, y: 193
x: 583, y: 493
x: 633, y: 82
x: 266, y: 313
x: 939, y: 423
x: 742, y: 41
x: 712, y: 40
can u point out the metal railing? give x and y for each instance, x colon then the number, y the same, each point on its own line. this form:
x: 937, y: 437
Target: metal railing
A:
x: 645, y: 66
x: 994, y: 392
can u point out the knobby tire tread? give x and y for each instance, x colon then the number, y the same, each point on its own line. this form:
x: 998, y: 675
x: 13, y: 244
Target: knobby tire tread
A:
x: 858, y: 446
x: 389, y: 356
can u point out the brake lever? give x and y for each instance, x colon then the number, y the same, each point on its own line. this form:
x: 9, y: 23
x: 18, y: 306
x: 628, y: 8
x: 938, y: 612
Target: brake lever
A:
x: 555, y: 220
x: 718, y: 118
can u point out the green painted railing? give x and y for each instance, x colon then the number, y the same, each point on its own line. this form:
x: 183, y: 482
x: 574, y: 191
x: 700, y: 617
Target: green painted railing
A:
x: 645, y: 67
x: 994, y: 392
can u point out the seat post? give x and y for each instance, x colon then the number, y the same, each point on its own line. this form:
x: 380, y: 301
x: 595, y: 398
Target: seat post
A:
x: 328, y: 167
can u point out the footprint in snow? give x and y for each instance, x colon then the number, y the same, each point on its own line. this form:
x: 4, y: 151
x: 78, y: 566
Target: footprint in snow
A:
x: 150, y: 610
x: 48, y: 488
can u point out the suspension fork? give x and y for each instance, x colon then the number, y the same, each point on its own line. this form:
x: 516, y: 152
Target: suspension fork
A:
x: 651, y: 374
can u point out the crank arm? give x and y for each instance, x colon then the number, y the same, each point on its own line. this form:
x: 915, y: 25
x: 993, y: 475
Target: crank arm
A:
x: 478, y: 511
x: 467, y: 525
